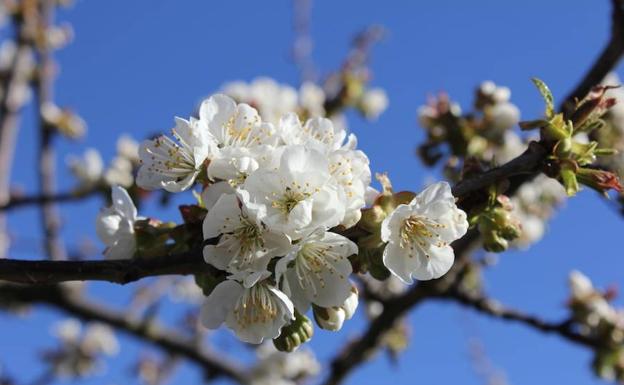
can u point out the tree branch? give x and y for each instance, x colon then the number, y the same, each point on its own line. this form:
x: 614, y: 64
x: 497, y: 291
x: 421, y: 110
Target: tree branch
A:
x: 362, y: 348
x: 118, y: 271
x: 172, y: 342
x: 47, y: 158
x: 356, y: 352
x: 494, y: 309
x: 608, y: 59
x: 17, y: 201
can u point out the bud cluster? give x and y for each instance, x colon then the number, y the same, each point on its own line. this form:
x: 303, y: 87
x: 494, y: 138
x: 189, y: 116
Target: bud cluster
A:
x: 574, y: 156
x: 79, y: 350
x: 484, y: 134
x: 594, y: 316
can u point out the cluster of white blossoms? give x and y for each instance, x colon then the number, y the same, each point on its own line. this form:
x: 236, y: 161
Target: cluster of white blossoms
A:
x: 273, y: 194
x: 90, y: 172
x: 533, y: 205
x: 273, y: 100
x: 595, y: 316
x: 80, y: 348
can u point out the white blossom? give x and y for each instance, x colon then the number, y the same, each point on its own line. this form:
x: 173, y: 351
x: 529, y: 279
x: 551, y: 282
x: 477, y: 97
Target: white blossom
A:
x: 297, y: 198
x: 128, y: 148
x: 115, y: 225
x: 100, y: 338
x: 374, y: 102
x: 244, y: 244
x: 68, y: 330
x: 503, y: 116
x: 350, y: 168
x: 533, y: 205
x: 316, y: 133
x: 317, y: 270
x: 312, y: 99
x: 88, y: 169
x: 119, y: 172
x: 419, y: 234
x: 590, y: 306
x: 254, y: 311
x: 174, y: 165
x: 273, y: 100
x: 270, y: 98
x: 214, y: 191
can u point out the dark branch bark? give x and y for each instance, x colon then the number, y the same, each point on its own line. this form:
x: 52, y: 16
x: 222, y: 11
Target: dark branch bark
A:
x: 608, y: 59
x: 40, y: 199
x: 118, y: 271
x: 173, y: 343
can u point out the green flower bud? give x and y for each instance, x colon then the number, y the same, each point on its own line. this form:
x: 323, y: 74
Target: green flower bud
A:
x: 299, y: 331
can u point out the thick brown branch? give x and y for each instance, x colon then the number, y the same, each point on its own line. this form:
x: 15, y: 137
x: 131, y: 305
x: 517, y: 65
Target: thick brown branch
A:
x: 173, y: 343
x: 118, y: 271
x: 494, y: 309
x: 525, y: 164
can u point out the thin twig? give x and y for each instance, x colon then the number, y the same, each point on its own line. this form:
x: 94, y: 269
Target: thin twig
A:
x: 47, y: 158
x: 608, y: 59
x: 40, y: 199
x: 10, y: 105
x: 494, y: 309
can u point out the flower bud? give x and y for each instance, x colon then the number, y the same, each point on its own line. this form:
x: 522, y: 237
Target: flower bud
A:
x: 295, y: 334
x: 332, y: 318
x: 351, y: 303
x: 329, y: 318
x: 599, y: 180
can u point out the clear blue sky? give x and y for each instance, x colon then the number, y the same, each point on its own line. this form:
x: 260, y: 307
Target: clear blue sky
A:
x: 135, y: 65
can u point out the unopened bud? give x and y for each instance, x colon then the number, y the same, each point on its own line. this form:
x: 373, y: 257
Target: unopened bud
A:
x: 298, y: 332
x: 351, y: 303
x: 332, y: 318
x: 329, y: 318
x: 599, y: 180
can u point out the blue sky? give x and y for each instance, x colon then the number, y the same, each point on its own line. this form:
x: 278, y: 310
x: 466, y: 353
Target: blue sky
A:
x: 135, y: 65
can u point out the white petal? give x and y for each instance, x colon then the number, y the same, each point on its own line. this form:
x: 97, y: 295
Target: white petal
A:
x: 400, y: 263
x: 123, y: 203
x: 213, y: 192
x: 219, y: 303
x: 224, y: 217
x: 439, y: 262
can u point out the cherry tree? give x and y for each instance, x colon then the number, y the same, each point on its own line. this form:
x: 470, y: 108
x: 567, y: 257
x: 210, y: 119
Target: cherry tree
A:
x: 287, y: 226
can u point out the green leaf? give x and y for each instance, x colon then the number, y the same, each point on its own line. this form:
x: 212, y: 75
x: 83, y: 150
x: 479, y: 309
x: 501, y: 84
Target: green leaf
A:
x: 547, y: 95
